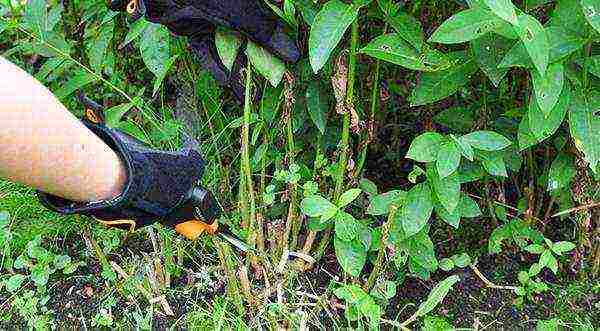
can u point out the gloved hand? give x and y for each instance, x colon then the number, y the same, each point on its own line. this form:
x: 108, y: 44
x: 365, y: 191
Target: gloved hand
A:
x: 161, y: 186
x: 197, y: 19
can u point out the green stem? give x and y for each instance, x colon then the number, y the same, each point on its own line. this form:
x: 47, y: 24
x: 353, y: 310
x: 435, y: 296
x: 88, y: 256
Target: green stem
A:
x: 246, y: 184
x: 381, y: 254
x: 344, y: 143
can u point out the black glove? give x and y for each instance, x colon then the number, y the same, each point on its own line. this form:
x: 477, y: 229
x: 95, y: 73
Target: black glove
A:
x: 197, y: 18
x: 161, y: 186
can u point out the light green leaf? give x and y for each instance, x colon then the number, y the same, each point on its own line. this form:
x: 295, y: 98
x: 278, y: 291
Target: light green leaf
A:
x: 464, y: 147
x: 591, y: 10
x: 155, y: 48
x: 535, y: 39
x: 465, y: 26
x: 315, y: 206
x: 80, y: 79
x: 542, y: 126
x: 384, y: 290
x: 424, y: 148
x: 446, y: 264
x: 437, y: 295
x: 380, y: 204
x: 416, y: 211
x: 562, y: 247
x: 346, y: 227
x: 368, y: 186
x: 504, y: 9
x: 535, y: 249
x: 494, y: 164
x: 447, y: 190
x: 14, y: 282
x: 435, y: 86
x: 351, y: 255
x: 468, y: 207
x: 462, y: 260
x: 585, y: 126
x: 548, y: 87
x: 160, y: 77
x: 317, y: 107
x: 347, y: 197
x: 269, y: 66
x: 408, y: 28
x: 392, y: 48
x: 486, y: 140
x: 489, y: 50
x: 327, y: 31
x: 448, y: 159
x: 135, y: 31
x: 228, y: 45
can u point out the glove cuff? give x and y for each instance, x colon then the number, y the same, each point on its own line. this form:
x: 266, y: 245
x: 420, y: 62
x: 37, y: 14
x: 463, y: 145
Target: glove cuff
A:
x: 158, y: 182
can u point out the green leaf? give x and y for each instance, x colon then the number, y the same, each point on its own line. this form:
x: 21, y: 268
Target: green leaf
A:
x: 347, y: 197
x: 316, y: 206
x: 352, y: 294
x: 548, y: 87
x: 591, y: 10
x: 40, y: 275
x: 465, y: 26
x: 535, y: 39
x: 346, y: 227
x: 408, y: 28
x: 503, y: 9
x: 437, y: 295
x: 380, y: 204
x: 448, y: 159
x: 14, y: 282
x: 468, y: 207
x: 160, y: 77
x: 392, y: 48
x: 155, y: 48
x: 416, y: 211
x: 35, y: 17
x: 351, y: 255
x: 562, y: 247
x: 489, y: 50
x: 268, y: 65
x: 446, y: 264
x: 592, y: 64
x: 424, y: 148
x: 228, y: 45
x: 462, y: 260
x: 435, y: 86
x: 535, y: 249
x: 80, y: 79
x: 525, y: 136
x: 61, y: 261
x: 549, y: 325
x: 98, y: 45
x: 456, y: 118
x: 308, y: 10
x: 135, y: 31
x: 327, y: 31
x: 368, y: 186
x: 486, y: 140
x: 384, y: 290
x: 464, y: 147
x: 447, y: 190
x: 542, y: 126
x: 493, y: 163
x: 585, y: 125
x: 562, y: 171
x: 452, y: 219
x: 317, y: 107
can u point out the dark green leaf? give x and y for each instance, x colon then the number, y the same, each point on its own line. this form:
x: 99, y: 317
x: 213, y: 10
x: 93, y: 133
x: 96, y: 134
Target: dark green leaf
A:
x: 447, y: 190
x: 317, y: 107
x: 541, y: 126
x: 327, y: 31
x: 425, y: 147
x: 408, y: 28
x: 585, y: 126
x: 228, y: 45
x: 591, y: 10
x: 548, y: 87
x: 380, y: 204
x: 562, y: 171
x: 392, y: 48
x: 155, y: 48
x: 435, y: 86
x: 80, y: 79
x: 456, y: 118
x: 489, y: 50
x: 347, y: 197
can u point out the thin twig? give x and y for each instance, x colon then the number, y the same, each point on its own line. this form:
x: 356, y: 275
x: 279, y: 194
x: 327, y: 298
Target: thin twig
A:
x: 488, y: 283
x: 576, y: 209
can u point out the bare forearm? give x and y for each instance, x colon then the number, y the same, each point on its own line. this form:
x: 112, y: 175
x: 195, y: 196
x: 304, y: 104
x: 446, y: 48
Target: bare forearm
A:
x: 44, y: 146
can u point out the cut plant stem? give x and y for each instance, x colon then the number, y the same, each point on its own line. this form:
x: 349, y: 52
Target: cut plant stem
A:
x: 377, y: 266
x: 246, y: 186
x: 487, y: 282
x: 344, y: 143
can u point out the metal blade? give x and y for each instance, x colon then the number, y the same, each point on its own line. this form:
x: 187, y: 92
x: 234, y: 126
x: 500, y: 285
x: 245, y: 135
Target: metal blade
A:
x: 236, y: 242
